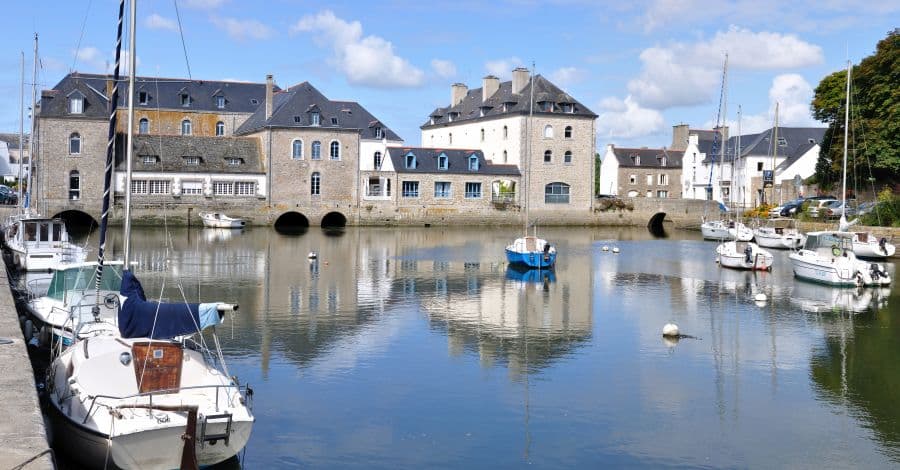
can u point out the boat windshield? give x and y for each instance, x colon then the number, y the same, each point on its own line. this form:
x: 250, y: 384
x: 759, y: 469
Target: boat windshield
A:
x: 828, y: 240
x: 83, y: 278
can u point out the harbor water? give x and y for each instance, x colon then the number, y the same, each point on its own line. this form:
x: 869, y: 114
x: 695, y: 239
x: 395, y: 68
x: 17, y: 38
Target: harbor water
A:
x: 422, y: 348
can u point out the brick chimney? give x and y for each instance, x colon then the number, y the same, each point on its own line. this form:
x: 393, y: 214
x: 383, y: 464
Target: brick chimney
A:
x: 679, y: 136
x: 519, y: 79
x: 457, y: 93
x: 269, y: 84
x: 489, y: 86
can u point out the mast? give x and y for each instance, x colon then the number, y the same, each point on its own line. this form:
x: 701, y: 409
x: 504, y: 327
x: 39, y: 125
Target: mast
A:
x: 528, y: 148
x: 30, y: 193
x: 846, y: 135
x: 129, y: 145
x: 724, y: 126
x: 737, y: 154
x: 21, y: 127
x: 774, y: 153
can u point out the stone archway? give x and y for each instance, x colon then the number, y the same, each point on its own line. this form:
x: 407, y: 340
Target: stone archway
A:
x: 292, y: 223
x: 334, y: 220
x: 655, y: 225
x: 78, y: 222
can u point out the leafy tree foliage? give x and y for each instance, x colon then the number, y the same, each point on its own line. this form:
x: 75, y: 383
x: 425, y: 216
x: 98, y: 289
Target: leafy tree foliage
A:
x: 874, y: 116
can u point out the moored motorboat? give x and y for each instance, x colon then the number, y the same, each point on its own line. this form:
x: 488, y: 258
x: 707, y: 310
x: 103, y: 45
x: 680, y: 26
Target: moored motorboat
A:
x: 532, y: 252
x: 220, y: 220
x: 38, y: 243
x: 779, y: 233
x: 744, y: 255
x: 866, y: 245
x: 725, y: 230
x: 828, y: 257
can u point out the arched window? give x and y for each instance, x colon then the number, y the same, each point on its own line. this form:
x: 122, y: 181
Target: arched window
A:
x: 482, y: 135
x: 316, y: 150
x: 144, y: 126
x: 297, y: 149
x: 315, y: 184
x: 548, y: 131
x: 220, y: 128
x: 568, y: 133
x: 75, y: 144
x: 556, y: 193
x: 335, y: 150
x: 377, y: 161
x: 548, y: 156
x: 451, y: 139
x: 504, y: 156
x: 186, y: 127
x: 505, y: 132
x: 74, y: 185
x: 567, y: 157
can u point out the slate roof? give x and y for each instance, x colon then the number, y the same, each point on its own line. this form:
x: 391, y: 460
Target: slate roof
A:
x: 649, y: 158
x: 294, y: 108
x: 164, y: 93
x: 213, y: 152
x: 798, y: 140
x: 471, y: 105
x: 12, y: 140
x: 458, y: 162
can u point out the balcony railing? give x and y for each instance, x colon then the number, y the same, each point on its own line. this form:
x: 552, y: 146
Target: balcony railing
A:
x: 504, y: 198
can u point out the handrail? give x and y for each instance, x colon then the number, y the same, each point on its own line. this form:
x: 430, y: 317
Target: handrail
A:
x: 242, y: 390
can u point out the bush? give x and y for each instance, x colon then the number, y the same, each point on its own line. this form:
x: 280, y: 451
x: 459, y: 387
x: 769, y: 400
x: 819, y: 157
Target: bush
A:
x: 759, y: 212
x: 886, y: 212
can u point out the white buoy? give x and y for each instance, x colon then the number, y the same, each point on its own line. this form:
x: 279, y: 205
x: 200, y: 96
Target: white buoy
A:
x: 605, y: 248
x: 760, y: 297
x: 615, y: 249
x: 312, y: 255
x: 670, y: 329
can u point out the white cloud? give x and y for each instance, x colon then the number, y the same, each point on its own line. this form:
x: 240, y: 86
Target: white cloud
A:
x: 567, y: 76
x: 626, y: 119
x: 368, y: 61
x: 502, y: 68
x: 203, y: 4
x: 443, y: 68
x: 240, y: 30
x: 793, y: 94
x: 155, y: 21
x: 90, y: 56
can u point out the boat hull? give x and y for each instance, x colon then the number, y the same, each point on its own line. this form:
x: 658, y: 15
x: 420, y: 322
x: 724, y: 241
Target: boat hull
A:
x: 834, y: 274
x: 531, y: 259
x: 873, y: 250
x: 215, y: 220
x: 781, y: 242
x: 730, y: 257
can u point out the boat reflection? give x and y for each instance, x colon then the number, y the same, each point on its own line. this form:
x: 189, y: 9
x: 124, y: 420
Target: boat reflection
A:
x: 818, y: 298
x: 533, y: 276
x: 219, y: 235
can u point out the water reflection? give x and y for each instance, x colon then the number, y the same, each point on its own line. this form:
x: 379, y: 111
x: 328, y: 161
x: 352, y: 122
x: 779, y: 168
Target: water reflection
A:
x: 818, y: 298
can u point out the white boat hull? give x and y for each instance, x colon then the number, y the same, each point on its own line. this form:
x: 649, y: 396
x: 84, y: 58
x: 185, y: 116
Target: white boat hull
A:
x: 839, y: 271
x: 44, y: 259
x: 790, y: 241
x: 718, y: 230
x: 872, y: 249
x: 730, y: 256
x: 217, y: 220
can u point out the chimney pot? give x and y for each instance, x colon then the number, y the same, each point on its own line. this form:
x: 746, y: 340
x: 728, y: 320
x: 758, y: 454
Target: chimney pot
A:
x: 519, y: 79
x: 490, y: 84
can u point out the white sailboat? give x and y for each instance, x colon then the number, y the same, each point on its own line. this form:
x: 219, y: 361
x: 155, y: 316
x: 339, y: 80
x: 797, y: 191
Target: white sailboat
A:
x: 828, y: 256
x: 781, y: 233
x: 151, y: 394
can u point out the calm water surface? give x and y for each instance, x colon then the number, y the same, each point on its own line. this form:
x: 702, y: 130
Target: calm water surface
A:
x: 420, y: 348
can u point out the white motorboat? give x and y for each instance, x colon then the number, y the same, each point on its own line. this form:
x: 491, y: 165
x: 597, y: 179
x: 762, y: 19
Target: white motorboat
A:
x: 220, y: 220
x: 744, y: 255
x: 779, y: 233
x: 725, y: 230
x: 866, y: 245
x: 39, y: 243
x: 828, y: 257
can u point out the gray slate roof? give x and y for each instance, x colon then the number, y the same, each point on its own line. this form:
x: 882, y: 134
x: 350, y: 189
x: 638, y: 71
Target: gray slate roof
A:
x: 12, y: 140
x: 294, y: 108
x: 164, y: 93
x: 458, y: 162
x: 798, y: 140
x: 470, y: 107
x: 213, y: 152
x: 649, y: 158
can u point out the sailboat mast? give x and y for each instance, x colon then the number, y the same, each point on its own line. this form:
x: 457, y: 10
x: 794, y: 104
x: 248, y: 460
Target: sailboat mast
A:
x: 129, y: 145
x: 846, y: 136
x: 21, y: 127
x: 737, y: 154
x: 528, y: 126
x: 29, y: 195
x: 724, y: 126
x: 774, y: 153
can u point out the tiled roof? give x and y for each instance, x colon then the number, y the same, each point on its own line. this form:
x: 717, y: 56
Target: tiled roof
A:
x: 472, y: 107
x: 214, y: 153
x: 457, y: 162
x: 12, y: 140
x: 294, y: 108
x: 648, y: 158
x: 797, y: 140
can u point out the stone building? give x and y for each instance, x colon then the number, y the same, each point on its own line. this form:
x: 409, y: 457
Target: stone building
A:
x: 643, y: 172
x: 551, y: 137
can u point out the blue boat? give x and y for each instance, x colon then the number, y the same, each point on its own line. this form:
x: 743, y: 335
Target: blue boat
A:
x: 532, y: 252
x: 530, y: 276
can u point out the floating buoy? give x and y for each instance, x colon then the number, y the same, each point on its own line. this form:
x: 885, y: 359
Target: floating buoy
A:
x: 312, y: 255
x: 760, y: 297
x: 670, y: 329
x: 29, y: 330
x: 605, y: 248
x: 615, y: 249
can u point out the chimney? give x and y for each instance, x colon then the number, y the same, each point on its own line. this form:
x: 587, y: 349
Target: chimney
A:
x: 489, y: 86
x: 519, y: 79
x: 679, y: 136
x: 109, y: 87
x: 457, y: 93
x: 723, y: 132
x: 268, y: 96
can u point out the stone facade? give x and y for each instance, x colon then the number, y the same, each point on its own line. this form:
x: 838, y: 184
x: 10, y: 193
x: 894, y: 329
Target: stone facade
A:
x: 168, y: 122
x: 56, y: 166
x: 650, y: 182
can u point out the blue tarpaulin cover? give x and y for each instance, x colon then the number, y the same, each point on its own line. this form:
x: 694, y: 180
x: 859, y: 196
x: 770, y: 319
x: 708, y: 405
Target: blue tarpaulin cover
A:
x: 136, y: 317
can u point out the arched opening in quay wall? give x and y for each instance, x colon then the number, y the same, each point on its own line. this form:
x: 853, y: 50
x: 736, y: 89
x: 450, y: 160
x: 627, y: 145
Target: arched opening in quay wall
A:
x: 334, y: 220
x: 291, y: 223
x: 655, y: 225
x: 78, y: 222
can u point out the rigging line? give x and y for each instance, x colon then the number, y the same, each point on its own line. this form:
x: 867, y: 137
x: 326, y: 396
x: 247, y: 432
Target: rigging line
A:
x: 862, y: 130
x: 183, y: 44
x: 81, y: 36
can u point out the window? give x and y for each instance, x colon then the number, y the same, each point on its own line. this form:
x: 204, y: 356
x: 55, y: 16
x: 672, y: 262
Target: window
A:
x: 482, y: 135
x: 254, y: 101
x: 158, y: 186
x: 142, y: 97
x: 568, y: 132
x: 223, y: 188
x: 556, y: 193
x: 567, y: 157
x: 649, y: 193
x: 410, y: 189
x: 662, y: 179
x: 316, y: 150
x: 192, y: 161
x: 548, y: 156
x: 186, y: 127
x: 244, y: 188
x: 335, y: 150
x: 185, y: 100
x: 504, y: 156
x: 663, y: 161
x: 505, y: 132
x: 74, y: 185
x: 379, y: 133
x: 315, y: 184
x: 759, y: 166
x: 334, y: 121
x: 442, y: 189
x: 568, y: 108
x: 192, y: 188
x: 410, y: 160
x: 297, y: 149
x: 75, y: 144
x: 314, y: 119
x: 637, y: 160
x: 662, y: 194
x: 138, y: 186
x: 442, y: 162
x: 220, y: 128
x: 548, y: 131
x: 149, y: 159
x: 649, y: 179
x: 297, y: 119
x: 473, y: 190
x: 632, y: 179
x: 451, y: 139
x: 76, y: 104
x: 782, y: 142
x: 143, y: 126
x: 220, y: 102
x: 377, y: 160
x: 231, y: 161
x: 473, y: 162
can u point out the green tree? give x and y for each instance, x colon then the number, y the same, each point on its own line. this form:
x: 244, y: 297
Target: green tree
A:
x: 874, y: 116
x: 596, y: 174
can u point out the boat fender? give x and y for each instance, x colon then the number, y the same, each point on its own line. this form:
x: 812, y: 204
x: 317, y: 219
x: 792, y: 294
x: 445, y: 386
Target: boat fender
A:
x: 882, y: 244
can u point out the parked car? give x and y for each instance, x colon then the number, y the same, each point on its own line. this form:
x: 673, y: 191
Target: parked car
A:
x: 833, y: 210
x: 866, y: 207
x: 790, y: 209
x: 817, y: 206
x: 7, y: 195
x: 775, y: 212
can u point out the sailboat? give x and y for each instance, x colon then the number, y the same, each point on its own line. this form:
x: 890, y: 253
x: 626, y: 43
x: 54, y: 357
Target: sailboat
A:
x: 741, y: 254
x: 828, y: 256
x: 530, y: 251
x: 151, y: 394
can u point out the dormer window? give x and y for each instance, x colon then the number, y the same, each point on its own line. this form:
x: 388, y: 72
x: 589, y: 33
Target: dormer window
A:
x: 234, y: 161
x: 782, y: 142
x: 149, y: 159
x: 143, y: 98
x: 379, y: 133
x: 76, y: 103
x: 637, y: 160
x: 185, y: 100
x: 314, y: 118
x: 297, y: 119
x: 545, y: 106
x: 220, y: 102
x: 567, y: 108
x: 485, y: 110
x: 334, y: 121
x: 443, y: 162
x: 453, y: 116
x: 192, y: 161
x: 410, y: 160
x: 662, y: 161
x: 473, y: 162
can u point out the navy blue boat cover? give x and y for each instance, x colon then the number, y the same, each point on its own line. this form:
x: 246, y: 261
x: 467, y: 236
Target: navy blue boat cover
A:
x: 137, y: 314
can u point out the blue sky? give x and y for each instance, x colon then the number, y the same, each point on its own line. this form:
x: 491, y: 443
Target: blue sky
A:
x: 643, y: 66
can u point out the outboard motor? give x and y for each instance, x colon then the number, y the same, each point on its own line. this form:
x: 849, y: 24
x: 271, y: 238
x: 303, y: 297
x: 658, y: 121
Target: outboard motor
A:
x: 748, y: 254
x: 546, y: 252
x: 882, y: 243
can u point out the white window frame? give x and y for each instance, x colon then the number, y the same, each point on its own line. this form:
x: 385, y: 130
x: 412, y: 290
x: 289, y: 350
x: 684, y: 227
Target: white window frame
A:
x: 314, y: 119
x: 567, y: 157
x: 649, y: 179
x: 548, y: 131
x: 662, y: 179
x: 316, y: 153
x: 139, y: 187
x: 158, y: 187
x: 143, y: 97
x: 234, y: 161
x: 192, y: 160
x: 144, y: 126
x: 187, y: 127
x: 410, y: 189
x: 473, y: 190
x: 76, y: 105
x: 220, y: 102
x: 220, y: 129
x: 445, y: 191
x: 662, y: 194
x: 74, y: 189
x: 315, y: 184
x: 192, y: 188
x: 244, y: 188
x: 632, y: 179
x: 332, y: 154
x: 75, y: 137
x: 443, y: 162
x: 297, y: 150
x: 149, y: 159
x: 223, y: 188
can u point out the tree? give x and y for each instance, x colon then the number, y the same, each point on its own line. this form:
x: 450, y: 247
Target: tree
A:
x: 596, y: 174
x: 874, y: 119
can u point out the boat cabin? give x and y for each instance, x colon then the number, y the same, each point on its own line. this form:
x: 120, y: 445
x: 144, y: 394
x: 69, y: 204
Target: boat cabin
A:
x: 81, y: 277
x: 829, y: 243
